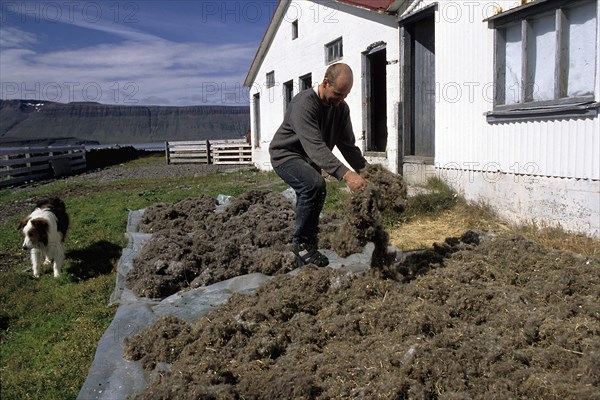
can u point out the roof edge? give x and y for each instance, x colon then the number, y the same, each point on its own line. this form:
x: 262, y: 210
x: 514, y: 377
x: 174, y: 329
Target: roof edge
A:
x: 266, y: 41
x: 382, y: 6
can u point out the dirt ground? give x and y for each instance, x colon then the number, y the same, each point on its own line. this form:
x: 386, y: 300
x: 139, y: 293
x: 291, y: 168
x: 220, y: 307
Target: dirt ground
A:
x: 480, y: 316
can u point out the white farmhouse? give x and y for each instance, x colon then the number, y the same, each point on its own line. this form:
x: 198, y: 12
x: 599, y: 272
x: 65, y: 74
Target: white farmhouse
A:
x: 498, y: 98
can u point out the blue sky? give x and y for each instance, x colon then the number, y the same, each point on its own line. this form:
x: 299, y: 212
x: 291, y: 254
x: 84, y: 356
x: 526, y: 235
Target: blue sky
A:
x: 141, y: 52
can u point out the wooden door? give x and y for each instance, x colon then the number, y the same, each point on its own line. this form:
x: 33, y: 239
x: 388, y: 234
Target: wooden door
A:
x: 423, y: 88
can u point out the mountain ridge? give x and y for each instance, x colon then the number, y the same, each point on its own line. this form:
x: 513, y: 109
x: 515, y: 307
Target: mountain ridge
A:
x: 46, y: 122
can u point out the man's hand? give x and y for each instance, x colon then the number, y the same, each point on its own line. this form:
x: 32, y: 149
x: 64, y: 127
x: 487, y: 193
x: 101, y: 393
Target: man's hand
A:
x: 354, y: 180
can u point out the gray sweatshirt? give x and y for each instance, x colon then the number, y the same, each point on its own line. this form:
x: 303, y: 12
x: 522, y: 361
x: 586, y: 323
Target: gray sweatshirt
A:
x: 311, y: 129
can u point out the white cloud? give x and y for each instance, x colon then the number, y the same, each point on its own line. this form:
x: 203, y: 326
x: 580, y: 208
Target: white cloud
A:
x: 130, y: 73
x: 123, y: 31
x: 15, y: 38
x: 108, y: 17
x: 142, y: 68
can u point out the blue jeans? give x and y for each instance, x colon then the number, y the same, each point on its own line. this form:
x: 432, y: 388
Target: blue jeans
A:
x: 308, y: 183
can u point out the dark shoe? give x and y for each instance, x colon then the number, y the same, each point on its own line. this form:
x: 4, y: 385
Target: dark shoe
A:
x: 309, y: 254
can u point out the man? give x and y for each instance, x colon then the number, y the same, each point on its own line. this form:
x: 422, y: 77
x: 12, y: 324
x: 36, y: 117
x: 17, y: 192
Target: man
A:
x: 316, y: 120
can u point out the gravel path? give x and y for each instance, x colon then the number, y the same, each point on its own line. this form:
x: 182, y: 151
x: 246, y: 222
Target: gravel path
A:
x: 112, y: 173
x: 159, y: 171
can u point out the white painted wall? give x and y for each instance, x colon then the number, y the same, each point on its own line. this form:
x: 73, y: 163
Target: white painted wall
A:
x: 571, y: 204
x: 546, y: 171
x: 464, y: 75
x: 321, y: 22
x: 535, y: 171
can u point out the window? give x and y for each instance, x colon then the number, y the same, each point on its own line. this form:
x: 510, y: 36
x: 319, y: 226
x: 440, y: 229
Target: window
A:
x: 288, y: 93
x: 333, y: 51
x: 270, y: 79
x: 546, y: 56
x: 305, y: 81
x: 295, y: 29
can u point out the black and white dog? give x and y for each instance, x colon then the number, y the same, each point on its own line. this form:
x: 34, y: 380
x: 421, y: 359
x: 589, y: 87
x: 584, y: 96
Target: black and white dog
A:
x: 45, y: 230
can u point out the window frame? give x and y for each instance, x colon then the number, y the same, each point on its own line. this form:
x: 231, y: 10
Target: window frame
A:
x: 561, y: 106
x: 332, y: 45
x: 302, y: 81
x: 270, y: 79
x: 288, y: 93
x: 295, y: 29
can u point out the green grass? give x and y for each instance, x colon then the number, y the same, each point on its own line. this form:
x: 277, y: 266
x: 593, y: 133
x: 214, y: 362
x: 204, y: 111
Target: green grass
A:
x: 434, y: 197
x: 336, y: 195
x: 49, y: 328
x: 54, y: 326
x: 437, y: 197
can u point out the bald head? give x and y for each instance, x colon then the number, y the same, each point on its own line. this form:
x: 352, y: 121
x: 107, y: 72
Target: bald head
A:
x: 337, y: 84
x: 339, y: 71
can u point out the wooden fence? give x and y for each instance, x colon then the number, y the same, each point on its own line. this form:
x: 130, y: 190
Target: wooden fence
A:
x: 209, y: 152
x: 187, y: 152
x: 22, y: 164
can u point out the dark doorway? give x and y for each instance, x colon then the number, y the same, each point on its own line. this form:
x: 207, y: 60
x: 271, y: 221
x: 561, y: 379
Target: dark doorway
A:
x: 376, y: 99
x: 256, y: 114
x: 288, y: 93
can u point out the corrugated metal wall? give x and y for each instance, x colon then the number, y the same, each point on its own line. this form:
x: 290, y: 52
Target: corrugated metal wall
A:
x: 567, y: 148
